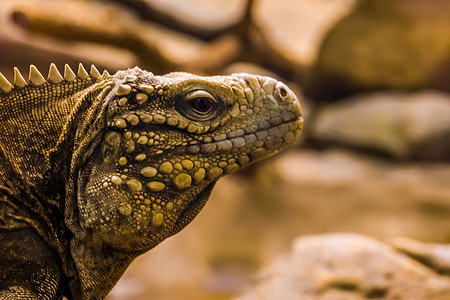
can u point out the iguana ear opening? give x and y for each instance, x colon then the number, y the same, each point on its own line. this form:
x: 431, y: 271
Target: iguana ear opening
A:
x: 111, y: 146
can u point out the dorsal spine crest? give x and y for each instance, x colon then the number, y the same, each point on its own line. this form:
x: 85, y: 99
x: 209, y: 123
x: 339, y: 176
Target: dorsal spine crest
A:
x: 36, y: 79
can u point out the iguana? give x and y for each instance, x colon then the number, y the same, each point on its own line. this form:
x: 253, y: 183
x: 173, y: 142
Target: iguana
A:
x: 97, y: 169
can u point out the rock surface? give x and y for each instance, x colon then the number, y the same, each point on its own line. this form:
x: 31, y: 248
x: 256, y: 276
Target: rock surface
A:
x: 335, y: 190
x: 346, y: 266
x: 201, y: 15
x: 77, y: 29
x: 385, y: 44
x: 402, y: 125
x: 298, y: 27
x: 19, y: 47
x: 435, y: 256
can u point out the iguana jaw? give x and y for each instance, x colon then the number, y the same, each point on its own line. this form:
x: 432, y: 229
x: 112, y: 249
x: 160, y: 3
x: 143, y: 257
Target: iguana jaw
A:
x: 268, y: 139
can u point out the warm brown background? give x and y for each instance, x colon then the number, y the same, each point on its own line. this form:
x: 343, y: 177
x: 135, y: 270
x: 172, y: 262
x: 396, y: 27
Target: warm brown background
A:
x: 373, y: 76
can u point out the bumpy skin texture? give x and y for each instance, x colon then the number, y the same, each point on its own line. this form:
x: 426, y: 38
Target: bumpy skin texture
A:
x: 98, y: 169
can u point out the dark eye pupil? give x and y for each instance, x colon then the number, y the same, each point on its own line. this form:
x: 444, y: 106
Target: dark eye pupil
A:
x: 201, y: 104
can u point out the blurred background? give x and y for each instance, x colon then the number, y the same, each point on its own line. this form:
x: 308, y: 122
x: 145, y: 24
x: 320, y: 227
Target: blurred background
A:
x: 373, y: 77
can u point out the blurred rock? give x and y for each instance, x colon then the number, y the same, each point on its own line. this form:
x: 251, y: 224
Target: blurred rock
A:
x: 201, y: 18
x: 165, y: 50
x: 346, y: 266
x: 245, y: 67
x: 335, y: 190
x: 19, y: 47
x: 71, y: 23
x: 294, y: 29
x: 385, y: 44
x: 402, y: 125
x: 435, y: 256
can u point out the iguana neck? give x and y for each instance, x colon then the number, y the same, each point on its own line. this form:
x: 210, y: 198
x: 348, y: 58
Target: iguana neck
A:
x: 47, y: 122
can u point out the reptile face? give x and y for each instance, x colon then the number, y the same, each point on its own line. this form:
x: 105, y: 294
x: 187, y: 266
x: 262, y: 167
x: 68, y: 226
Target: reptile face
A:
x: 169, y: 139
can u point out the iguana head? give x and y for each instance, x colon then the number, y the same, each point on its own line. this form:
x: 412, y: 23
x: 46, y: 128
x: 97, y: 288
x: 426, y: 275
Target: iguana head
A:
x: 168, y: 140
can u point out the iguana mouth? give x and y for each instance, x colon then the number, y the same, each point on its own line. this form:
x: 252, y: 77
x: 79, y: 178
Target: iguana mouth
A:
x: 267, y: 137
x: 249, y: 145
x: 256, y: 140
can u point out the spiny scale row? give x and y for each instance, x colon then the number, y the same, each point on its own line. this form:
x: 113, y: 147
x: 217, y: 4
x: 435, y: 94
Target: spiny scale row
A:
x: 36, y: 78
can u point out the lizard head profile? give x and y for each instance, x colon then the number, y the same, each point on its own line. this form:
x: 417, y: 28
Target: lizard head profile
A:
x: 109, y: 166
x: 168, y: 140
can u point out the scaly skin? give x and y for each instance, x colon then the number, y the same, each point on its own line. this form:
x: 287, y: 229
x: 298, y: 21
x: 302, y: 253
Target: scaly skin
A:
x: 98, y: 169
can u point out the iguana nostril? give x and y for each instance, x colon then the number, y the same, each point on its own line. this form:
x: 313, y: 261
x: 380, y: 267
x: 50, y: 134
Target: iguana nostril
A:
x: 282, y: 93
x: 20, y: 19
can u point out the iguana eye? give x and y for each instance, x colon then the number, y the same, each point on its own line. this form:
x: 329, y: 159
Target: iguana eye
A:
x: 201, y: 101
x: 198, y: 105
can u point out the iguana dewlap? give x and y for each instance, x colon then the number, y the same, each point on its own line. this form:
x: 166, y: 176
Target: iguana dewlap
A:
x: 97, y: 169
